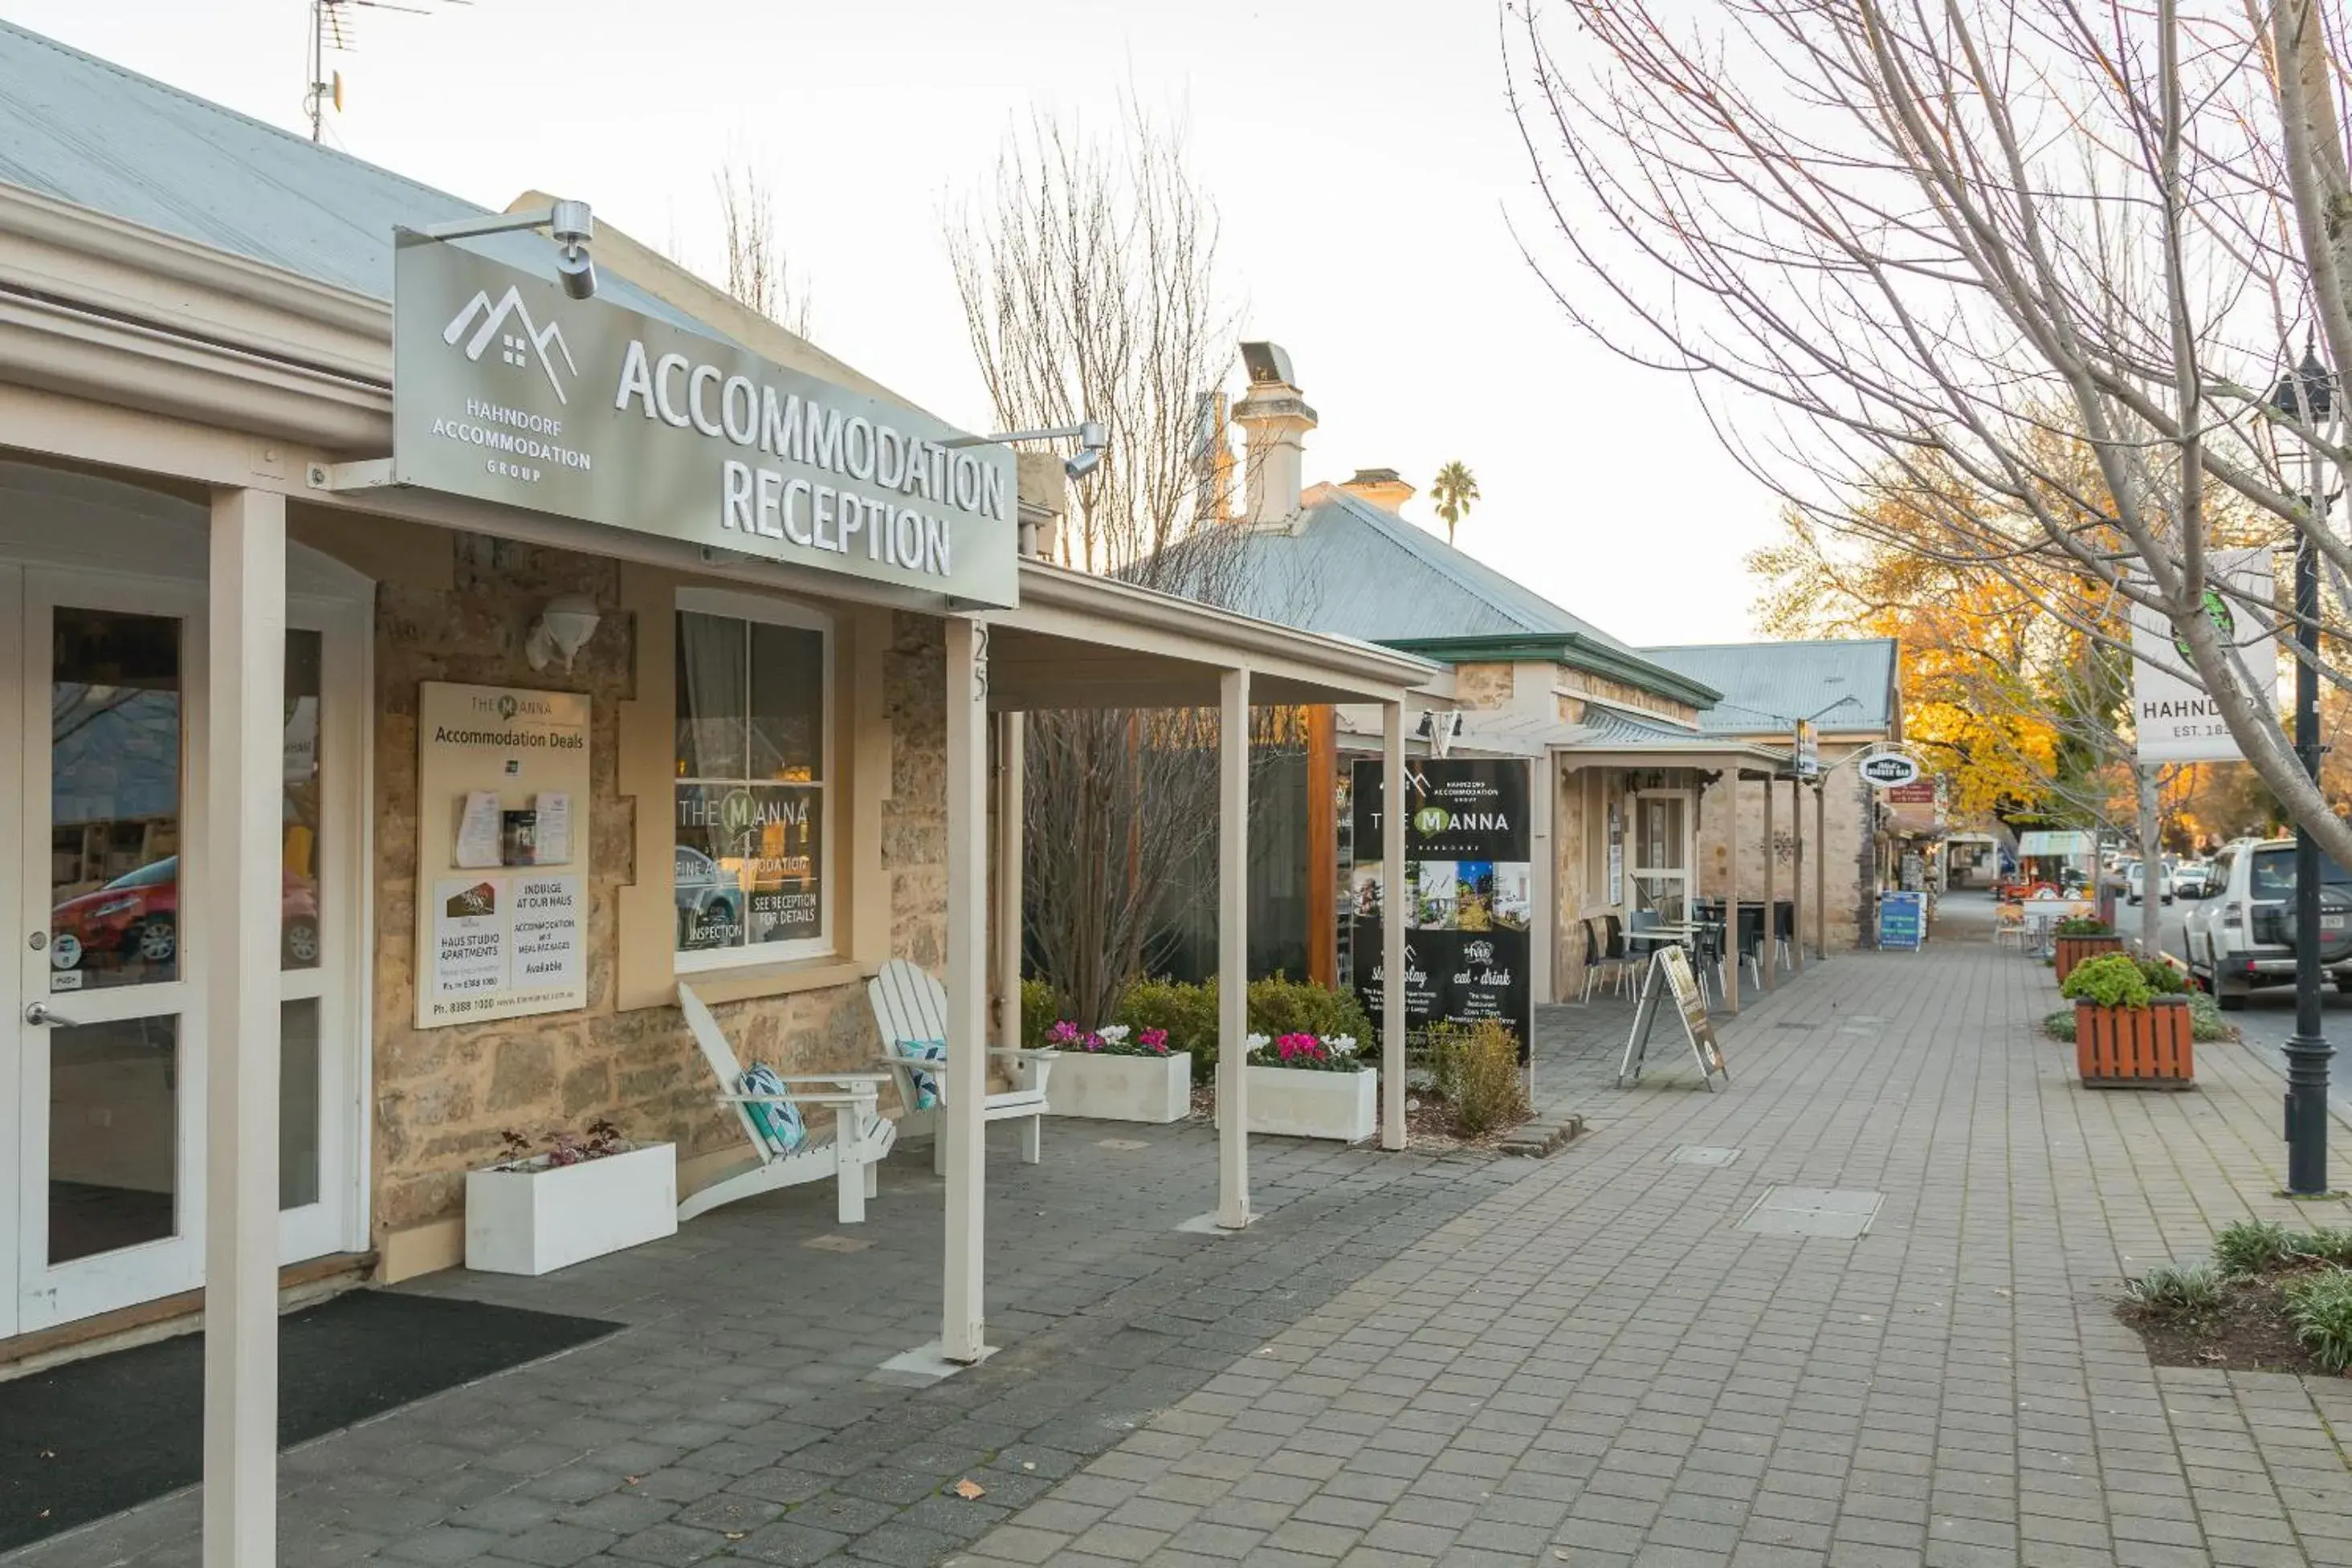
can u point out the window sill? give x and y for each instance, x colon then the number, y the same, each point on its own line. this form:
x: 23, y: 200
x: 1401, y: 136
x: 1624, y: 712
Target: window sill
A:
x: 738, y: 985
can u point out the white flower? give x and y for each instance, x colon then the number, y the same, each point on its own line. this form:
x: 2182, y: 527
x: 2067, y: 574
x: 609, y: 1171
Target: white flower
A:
x: 1340, y: 1044
x: 1113, y: 1033
x: 1255, y: 1042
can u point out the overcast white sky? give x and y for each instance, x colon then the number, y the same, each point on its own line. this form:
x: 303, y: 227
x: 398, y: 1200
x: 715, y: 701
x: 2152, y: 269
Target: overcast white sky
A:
x: 1359, y: 151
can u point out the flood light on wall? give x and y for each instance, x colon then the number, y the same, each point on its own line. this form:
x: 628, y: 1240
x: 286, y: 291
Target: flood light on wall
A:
x: 562, y: 630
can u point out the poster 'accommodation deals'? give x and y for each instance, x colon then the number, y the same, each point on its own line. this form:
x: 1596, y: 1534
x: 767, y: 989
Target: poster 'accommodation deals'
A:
x: 1469, y: 892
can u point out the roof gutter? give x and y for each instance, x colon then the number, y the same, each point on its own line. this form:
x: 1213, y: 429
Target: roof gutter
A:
x: 1571, y: 648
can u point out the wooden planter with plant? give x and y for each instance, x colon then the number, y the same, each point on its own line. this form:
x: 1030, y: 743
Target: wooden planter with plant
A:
x: 2131, y: 1025
x: 2080, y: 938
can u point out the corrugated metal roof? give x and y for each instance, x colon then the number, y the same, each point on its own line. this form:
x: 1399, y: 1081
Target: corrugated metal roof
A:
x: 86, y: 131
x: 1349, y: 567
x: 1601, y: 729
x: 1768, y: 686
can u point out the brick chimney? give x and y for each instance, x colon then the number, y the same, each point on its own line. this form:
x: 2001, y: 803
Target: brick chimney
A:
x: 1276, y: 419
x: 1381, y: 487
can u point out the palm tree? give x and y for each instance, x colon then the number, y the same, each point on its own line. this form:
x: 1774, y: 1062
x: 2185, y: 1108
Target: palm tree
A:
x: 1454, y: 490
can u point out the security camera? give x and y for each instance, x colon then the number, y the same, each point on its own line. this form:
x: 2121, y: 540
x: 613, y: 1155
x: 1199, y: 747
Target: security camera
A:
x: 1083, y: 464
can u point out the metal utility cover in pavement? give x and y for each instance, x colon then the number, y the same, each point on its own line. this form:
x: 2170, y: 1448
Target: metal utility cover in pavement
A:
x: 1842, y: 1215
x: 1697, y: 1155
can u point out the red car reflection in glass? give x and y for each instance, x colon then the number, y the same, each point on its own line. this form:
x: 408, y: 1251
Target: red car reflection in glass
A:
x: 136, y: 917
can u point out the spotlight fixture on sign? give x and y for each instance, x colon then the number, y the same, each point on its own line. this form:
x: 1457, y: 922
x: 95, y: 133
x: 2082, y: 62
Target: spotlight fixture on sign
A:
x: 1092, y: 436
x: 570, y: 223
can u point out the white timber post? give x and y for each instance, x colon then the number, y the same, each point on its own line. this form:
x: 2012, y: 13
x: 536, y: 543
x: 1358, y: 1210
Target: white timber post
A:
x: 245, y: 758
x: 1765, y: 961
x: 1232, y: 948
x: 1797, y: 882
x: 960, y: 1122
x: 1011, y: 796
x: 1393, y: 913
x: 1731, y: 900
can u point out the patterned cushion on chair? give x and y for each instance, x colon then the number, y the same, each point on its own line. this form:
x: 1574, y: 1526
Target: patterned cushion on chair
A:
x: 781, y: 1126
x: 928, y: 1093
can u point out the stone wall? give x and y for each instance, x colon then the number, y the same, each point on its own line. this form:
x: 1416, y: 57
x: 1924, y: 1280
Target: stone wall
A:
x: 1580, y: 850
x: 1482, y: 686
x: 1848, y: 850
x: 442, y: 1097
x: 1573, y: 681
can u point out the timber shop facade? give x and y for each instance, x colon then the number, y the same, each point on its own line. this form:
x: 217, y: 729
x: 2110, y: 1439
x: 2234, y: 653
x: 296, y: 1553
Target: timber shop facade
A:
x: 416, y: 670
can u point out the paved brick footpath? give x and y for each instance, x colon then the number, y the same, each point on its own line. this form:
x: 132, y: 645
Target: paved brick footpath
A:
x: 738, y: 1416
x: 1595, y: 1366
x: 1412, y: 1359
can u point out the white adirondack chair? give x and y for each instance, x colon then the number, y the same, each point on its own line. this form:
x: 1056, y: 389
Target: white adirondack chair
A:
x: 851, y: 1153
x: 911, y: 1007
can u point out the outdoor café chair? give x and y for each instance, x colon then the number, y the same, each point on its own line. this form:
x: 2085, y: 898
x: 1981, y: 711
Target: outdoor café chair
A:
x: 1604, y: 954
x: 912, y: 1007
x: 783, y: 1152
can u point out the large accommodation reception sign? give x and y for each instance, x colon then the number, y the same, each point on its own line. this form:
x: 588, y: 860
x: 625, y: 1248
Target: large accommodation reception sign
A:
x: 1469, y: 892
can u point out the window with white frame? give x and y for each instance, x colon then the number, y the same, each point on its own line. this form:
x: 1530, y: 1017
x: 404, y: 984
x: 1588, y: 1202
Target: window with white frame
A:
x: 754, y: 753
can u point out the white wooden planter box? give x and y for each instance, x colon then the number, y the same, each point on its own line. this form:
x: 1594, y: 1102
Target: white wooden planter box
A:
x: 534, y: 1221
x: 1122, y: 1088
x: 1289, y: 1102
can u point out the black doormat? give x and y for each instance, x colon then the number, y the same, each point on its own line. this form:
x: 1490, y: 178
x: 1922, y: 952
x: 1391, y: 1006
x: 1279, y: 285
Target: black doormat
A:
x: 93, y: 1437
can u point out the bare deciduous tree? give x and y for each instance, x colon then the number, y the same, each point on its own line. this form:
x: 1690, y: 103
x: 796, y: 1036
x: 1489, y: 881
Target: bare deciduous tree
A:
x: 1087, y: 271
x: 759, y: 273
x: 1957, y: 238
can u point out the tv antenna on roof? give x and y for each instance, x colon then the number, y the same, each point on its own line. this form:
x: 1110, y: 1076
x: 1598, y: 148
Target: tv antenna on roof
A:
x: 331, y: 32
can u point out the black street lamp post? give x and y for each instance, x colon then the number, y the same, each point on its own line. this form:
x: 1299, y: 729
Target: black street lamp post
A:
x: 2308, y: 396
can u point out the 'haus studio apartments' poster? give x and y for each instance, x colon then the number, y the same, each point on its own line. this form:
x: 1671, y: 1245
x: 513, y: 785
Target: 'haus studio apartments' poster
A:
x: 1469, y: 892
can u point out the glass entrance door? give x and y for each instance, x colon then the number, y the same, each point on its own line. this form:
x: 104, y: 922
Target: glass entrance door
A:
x: 1662, y: 854
x: 107, y: 1021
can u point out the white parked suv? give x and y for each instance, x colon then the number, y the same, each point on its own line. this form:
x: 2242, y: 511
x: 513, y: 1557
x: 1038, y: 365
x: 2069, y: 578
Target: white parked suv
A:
x: 2243, y: 935
x: 2135, y: 880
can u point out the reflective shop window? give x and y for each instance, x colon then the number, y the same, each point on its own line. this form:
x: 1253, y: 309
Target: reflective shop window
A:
x: 115, y: 746
x: 749, y: 870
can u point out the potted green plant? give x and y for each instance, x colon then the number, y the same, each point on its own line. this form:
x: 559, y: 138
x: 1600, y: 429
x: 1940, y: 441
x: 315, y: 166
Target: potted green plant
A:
x: 2131, y: 1024
x: 2081, y: 936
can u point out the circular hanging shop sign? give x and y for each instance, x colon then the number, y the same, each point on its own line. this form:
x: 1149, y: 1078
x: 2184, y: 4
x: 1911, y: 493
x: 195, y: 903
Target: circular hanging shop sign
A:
x: 1889, y: 769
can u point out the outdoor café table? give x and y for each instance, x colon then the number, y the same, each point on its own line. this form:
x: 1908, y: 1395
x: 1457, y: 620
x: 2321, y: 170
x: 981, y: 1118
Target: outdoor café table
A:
x: 2041, y: 918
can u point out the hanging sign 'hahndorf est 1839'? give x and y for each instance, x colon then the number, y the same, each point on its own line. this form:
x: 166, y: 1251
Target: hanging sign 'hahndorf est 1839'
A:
x: 505, y: 390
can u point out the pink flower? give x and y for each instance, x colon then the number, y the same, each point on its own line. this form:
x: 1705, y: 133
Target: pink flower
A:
x: 1064, y: 1032
x: 1293, y: 1047
x: 1092, y: 1042
x: 1153, y: 1039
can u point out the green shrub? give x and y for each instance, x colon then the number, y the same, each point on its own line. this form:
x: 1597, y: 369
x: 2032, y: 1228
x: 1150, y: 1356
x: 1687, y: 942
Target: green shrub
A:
x: 2083, y: 926
x: 2177, y: 1289
x: 2060, y: 1024
x: 1039, y: 1007
x: 1188, y: 1013
x: 1277, y: 1006
x: 2320, y: 1308
x: 2253, y: 1246
x: 2326, y: 1246
x: 2162, y: 977
x: 2109, y: 980
x: 1280, y: 1005
x: 1477, y: 1072
x: 2206, y: 1024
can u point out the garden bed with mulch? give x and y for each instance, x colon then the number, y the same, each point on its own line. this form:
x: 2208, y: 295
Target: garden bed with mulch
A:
x: 2248, y: 1332
x: 1429, y: 1123
x: 2269, y: 1300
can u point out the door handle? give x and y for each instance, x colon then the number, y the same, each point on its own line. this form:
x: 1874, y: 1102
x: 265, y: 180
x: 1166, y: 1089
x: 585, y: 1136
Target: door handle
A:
x: 42, y: 1013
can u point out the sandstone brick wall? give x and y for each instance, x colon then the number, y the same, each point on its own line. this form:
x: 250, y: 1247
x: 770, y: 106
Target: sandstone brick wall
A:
x: 443, y: 1096
x: 1584, y: 680
x: 1848, y: 850
x: 1482, y: 686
